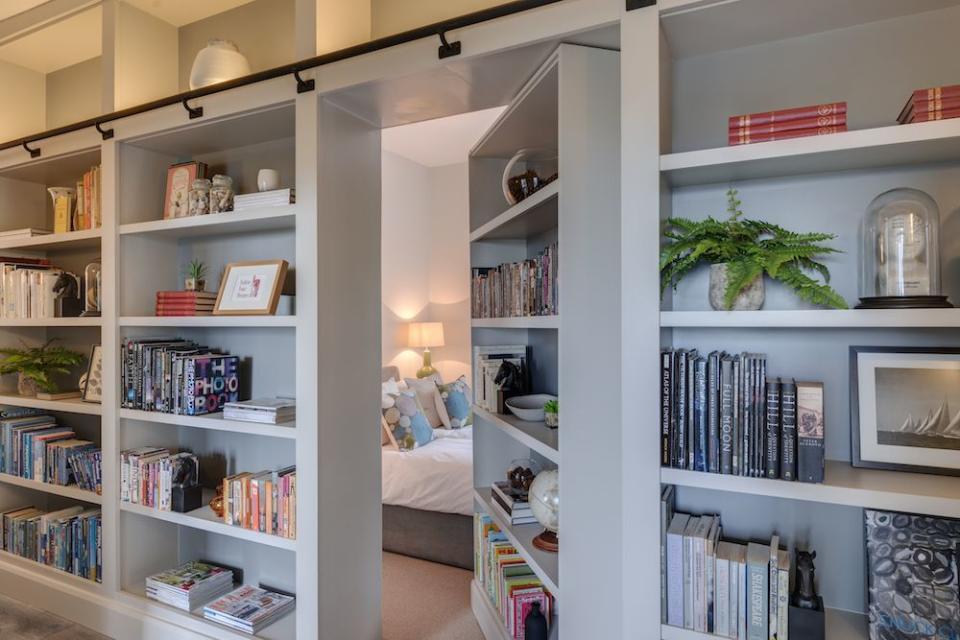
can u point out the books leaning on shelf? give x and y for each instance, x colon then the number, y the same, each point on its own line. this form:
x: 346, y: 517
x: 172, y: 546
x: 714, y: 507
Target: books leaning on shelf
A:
x: 935, y: 103
x: 249, y: 609
x: 190, y: 585
x: 68, y: 539
x: 27, y: 288
x: 486, y: 364
x: 517, y: 289
x: 506, y: 578
x: 88, y: 213
x: 264, y: 501
x: 185, y: 303
x: 262, y: 410
x: 800, y: 122
x: 724, y: 588
x: 721, y: 413
x: 512, y: 504
x: 36, y: 448
x: 148, y: 474
x: 171, y: 375
x: 275, y: 198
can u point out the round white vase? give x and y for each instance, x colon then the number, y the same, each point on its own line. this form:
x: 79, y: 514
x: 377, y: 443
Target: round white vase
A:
x: 218, y: 62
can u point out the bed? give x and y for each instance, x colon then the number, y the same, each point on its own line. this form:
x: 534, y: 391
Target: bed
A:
x: 428, y: 497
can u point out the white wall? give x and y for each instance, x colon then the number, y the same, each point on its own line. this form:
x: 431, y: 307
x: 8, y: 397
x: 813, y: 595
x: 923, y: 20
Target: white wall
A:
x: 22, y: 111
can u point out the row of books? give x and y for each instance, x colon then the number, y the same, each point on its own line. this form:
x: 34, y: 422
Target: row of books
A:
x: 185, y: 303
x: 89, y: 211
x: 35, y: 447
x: 148, y: 475
x: 511, y: 503
x: 721, y: 413
x: 275, y: 198
x: 172, y: 375
x: 264, y: 501
x: 799, y: 122
x: 27, y: 288
x: 517, y: 289
x: 486, y: 363
x: 68, y: 539
x: 935, y: 103
x: 262, y: 410
x: 506, y: 578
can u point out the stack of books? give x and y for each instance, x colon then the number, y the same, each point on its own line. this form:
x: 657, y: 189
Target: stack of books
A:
x: 815, y: 120
x: 68, y: 539
x: 89, y: 212
x: 147, y: 475
x: 517, y: 289
x: 189, y: 586
x: 20, y: 234
x: 262, y: 410
x: 264, y: 501
x: 936, y: 103
x: 276, y: 198
x: 512, y: 504
x: 185, y: 303
x: 486, y: 364
x: 36, y: 448
x: 249, y: 609
x: 721, y: 413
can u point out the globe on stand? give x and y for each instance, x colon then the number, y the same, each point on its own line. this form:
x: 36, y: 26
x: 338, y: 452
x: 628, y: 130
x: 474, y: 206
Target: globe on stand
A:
x: 545, y: 504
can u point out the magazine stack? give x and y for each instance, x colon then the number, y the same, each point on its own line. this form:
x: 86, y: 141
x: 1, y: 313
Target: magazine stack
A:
x: 189, y: 586
x: 262, y: 410
x: 248, y: 608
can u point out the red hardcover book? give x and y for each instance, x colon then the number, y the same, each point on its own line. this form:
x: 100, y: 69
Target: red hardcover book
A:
x: 927, y: 106
x: 937, y: 93
x: 791, y: 125
x: 784, y: 135
x: 182, y: 314
x: 174, y: 308
x: 927, y: 116
x: 185, y: 295
x: 799, y: 113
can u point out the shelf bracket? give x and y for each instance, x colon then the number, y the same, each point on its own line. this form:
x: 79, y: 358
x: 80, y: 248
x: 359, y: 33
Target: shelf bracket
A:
x: 106, y: 133
x: 34, y: 153
x: 640, y: 4
x: 447, y: 49
x: 304, y: 86
x: 195, y: 112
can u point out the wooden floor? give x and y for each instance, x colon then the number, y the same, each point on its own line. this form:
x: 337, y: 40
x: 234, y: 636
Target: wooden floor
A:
x: 19, y: 621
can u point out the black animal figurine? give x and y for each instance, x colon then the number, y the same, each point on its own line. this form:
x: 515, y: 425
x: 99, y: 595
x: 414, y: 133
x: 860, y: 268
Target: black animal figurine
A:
x: 806, y: 618
x: 67, y: 290
x: 510, y: 378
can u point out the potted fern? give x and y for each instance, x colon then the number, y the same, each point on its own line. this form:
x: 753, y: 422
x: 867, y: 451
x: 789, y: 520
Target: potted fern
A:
x: 740, y: 252
x: 36, y: 366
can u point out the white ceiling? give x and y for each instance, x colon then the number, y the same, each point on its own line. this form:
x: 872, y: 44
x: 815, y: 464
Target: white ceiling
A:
x: 440, y: 142
x: 59, y: 44
x: 181, y: 12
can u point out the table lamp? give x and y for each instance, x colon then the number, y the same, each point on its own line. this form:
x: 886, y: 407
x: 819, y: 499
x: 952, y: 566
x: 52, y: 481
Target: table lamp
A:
x: 425, y: 335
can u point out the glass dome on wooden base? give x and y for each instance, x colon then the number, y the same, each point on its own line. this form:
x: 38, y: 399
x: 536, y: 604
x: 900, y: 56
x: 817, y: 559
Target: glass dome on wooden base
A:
x: 900, y: 254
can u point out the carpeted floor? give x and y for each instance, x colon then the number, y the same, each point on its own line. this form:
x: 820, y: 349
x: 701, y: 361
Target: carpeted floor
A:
x: 426, y: 601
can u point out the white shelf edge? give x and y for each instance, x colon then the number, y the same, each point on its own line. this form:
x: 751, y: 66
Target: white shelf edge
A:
x: 228, y: 218
x: 50, y: 239
x: 70, y: 491
x: 66, y: 406
x: 840, y: 625
x: 533, y: 556
x: 13, y: 562
x: 523, y: 322
x: 215, y: 422
x: 51, y: 322
x: 813, y: 319
x: 211, y: 525
x: 520, y: 435
x: 491, y: 625
x: 208, y: 321
x: 523, y: 207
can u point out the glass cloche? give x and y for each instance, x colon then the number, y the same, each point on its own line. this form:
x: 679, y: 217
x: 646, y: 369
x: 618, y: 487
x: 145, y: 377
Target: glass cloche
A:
x: 900, y: 253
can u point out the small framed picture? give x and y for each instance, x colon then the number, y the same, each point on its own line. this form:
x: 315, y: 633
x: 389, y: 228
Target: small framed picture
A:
x: 251, y: 288
x: 905, y: 408
x: 93, y: 381
x: 179, y: 179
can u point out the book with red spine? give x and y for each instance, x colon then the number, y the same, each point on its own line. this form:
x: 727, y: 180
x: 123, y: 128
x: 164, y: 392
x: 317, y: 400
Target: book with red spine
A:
x: 928, y: 116
x: 736, y: 139
x: 798, y: 113
x: 186, y: 295
x: 790, y: 125
x: 937, y: 93
x: 927, y: 106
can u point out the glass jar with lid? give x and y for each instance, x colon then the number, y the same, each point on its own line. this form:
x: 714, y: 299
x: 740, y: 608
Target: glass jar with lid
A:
x: 198, y: 197
x: 221, y: 194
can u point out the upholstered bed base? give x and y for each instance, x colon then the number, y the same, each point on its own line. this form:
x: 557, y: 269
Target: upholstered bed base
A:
x: 446, y: 538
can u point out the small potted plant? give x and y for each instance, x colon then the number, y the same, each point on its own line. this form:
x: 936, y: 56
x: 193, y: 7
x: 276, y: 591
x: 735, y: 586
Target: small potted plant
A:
x: 195, y: 273
x: 740, y: 251
x: 36, y: 366
x: 551, y: 413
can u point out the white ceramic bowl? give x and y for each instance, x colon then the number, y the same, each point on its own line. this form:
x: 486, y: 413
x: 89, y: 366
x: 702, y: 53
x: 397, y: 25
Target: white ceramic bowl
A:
x: 529, y: 408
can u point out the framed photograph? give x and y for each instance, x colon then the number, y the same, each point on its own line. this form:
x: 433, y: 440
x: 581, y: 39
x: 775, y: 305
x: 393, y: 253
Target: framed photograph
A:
x: 93, y: 381
x: 905, y: 408
x: 912, y: 575
x: 251, y: 288
x: 179, y: 178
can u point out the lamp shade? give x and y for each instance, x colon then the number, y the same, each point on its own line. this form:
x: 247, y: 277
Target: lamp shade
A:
x: 426, y: 334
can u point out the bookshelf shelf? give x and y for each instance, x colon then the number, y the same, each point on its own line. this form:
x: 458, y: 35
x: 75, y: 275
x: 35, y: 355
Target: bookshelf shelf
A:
x: 88, y: 239
x: 214, y: 421
x: 71, y: 491
x: 535, y: 435
x: 24, y: 566
x: 50, y: 322
x: 544, y: 564
x: 529, y: 217
x: 840, y: 625
x: 843, y: 485
x: 487, y: 617
x: 813, y: 319
x: 529, y: 322
x: 914, y: 144
x: 209, y: 321
x: 250, y: 221
x: 73, y: 405
x: 204, y: 519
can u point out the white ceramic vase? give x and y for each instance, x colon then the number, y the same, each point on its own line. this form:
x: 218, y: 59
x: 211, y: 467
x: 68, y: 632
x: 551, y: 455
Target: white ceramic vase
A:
x: 218, y: 62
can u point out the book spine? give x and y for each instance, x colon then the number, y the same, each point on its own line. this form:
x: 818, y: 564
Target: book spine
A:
x: 786, y: 115
x: 773, y: 429
x: 705, y: 438
x: 713, y: 403
x: 688, y: 570
x: 788, y: 428
x: 773, y: 598
x: 809, y: 402
x: 935, y: 114
x: 681, y: 400
x: 742, y: 600
x: 675, y: 580
x: 699, y: 585
x: 937, y: 93
x: 757, y: 602
x: 666, y: 404
x: 726, y: 415
x: 734, y: 607
x: 721, y: 599
x: 925, y: 105
x: 739, y: 139
x: 691, y: 388
x: 783, y: 603
x: 789, y: 125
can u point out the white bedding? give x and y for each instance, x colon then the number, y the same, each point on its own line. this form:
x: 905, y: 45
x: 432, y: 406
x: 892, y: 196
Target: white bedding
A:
x: 435, y: 477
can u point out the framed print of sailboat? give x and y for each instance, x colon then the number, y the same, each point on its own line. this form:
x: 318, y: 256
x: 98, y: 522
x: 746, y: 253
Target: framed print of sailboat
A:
x: 905, y: 408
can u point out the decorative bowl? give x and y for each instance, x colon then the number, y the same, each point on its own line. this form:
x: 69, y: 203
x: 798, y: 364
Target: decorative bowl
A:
x: 529, y: 408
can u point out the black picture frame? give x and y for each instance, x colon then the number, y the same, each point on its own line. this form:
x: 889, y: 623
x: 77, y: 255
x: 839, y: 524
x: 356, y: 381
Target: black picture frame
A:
x: 855, y: 454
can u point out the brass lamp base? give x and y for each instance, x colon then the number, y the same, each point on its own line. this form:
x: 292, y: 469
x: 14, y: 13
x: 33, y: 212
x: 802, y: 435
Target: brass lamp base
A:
x: 427, y: 369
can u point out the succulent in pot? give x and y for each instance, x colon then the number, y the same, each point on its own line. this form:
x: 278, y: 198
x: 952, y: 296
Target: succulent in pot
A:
x: 551, y: 413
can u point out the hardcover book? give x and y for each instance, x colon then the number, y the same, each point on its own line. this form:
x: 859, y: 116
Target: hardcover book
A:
x: 666, y: 406
x: 681, y: 415
x: 787, y: 115
x: 750, y: 138
x: 758, y: 577
x: 704, y: 438
x: 721, y: 618
x: 726, y: 415
x: 675, y: 569
x: 689, y: 556
x: 810, y: 431
x: 788, y: 430
x: 773, y: 601
x: 773, y: 428
x: 789, y: 125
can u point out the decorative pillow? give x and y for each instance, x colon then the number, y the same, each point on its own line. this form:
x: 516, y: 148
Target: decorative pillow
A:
x: 456, y: 400
x: 404, y: 422
x: 430, y: 400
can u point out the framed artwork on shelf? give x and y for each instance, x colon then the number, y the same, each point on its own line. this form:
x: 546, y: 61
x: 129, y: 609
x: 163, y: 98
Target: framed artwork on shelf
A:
x: 905, y: 408
x: 251, y: 288
x: 179, y: 179
x: 93, y: 381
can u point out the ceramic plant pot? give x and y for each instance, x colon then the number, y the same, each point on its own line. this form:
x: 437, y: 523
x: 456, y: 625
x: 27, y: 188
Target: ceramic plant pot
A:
x: 218, y: 62
x: 26, y: 386
x: 750, y: 299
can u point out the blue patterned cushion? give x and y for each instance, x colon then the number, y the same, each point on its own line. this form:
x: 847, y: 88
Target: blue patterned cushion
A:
x: 456, y: 398
x: 404, y: 421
